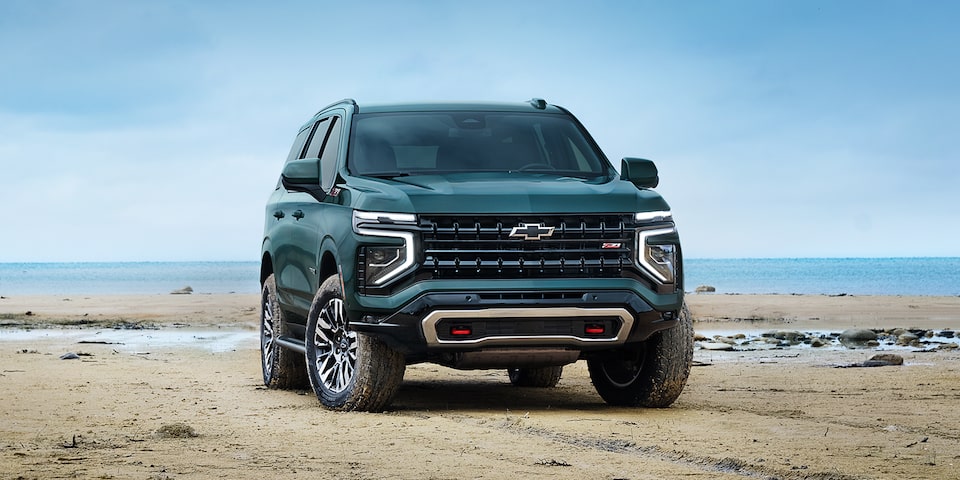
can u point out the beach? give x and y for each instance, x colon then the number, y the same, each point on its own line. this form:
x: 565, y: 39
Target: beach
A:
x: 169, y: 386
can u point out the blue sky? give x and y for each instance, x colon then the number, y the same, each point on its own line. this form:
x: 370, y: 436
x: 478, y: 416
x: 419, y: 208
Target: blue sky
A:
x: 156, y: 130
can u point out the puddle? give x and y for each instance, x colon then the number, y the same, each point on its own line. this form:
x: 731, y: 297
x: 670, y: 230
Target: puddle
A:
x: 138, y: 340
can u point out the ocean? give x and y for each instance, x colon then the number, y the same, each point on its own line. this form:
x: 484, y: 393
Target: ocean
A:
x: 128, y: 278
x: 829, y: 276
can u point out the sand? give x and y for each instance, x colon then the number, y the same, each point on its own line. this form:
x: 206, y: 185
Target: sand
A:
x: 168, y: 386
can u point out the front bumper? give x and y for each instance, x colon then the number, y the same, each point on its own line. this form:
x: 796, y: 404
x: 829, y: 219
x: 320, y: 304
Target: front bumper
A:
x: 465, y: 321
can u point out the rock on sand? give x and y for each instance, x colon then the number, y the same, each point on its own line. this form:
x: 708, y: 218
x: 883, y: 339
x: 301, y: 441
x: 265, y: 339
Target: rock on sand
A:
x: 858, y: 337
x: 716, y: 346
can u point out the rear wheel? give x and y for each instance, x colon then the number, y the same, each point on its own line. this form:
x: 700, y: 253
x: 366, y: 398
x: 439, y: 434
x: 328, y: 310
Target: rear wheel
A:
x: 347, y: 370
x: 282, y: 368
x: 649, y: 374
x: 540, y: 377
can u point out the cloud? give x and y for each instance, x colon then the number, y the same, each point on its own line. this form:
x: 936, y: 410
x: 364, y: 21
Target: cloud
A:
x: 155, y: 132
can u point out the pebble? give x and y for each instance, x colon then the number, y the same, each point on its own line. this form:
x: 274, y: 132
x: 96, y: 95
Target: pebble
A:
x: 884, y: 359
x: 716, y: 346
x: 878, y: 360
x: 790, y: 336
x: 908, y: 339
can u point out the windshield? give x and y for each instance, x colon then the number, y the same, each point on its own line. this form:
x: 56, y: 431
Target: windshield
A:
x: 395, y: 144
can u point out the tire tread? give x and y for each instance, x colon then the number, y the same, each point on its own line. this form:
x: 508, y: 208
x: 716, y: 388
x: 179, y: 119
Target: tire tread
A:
x: 667, y: 359
x: 378, y: 372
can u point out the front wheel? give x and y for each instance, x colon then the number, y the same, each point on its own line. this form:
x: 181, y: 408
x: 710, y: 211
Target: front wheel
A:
x: 649, y: 374
x: 347, y: 370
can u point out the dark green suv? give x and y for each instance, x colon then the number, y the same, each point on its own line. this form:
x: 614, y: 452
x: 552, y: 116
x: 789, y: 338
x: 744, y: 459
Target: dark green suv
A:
x: 473, y: 236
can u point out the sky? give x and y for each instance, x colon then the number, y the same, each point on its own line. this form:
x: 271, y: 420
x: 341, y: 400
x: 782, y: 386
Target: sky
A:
x: 155, y: 130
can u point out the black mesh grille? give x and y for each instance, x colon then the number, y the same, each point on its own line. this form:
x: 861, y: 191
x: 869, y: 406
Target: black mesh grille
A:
x: 568, y: 246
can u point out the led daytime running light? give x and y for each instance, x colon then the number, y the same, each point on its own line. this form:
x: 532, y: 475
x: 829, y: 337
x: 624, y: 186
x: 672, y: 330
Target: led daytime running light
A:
x: 642, y: 259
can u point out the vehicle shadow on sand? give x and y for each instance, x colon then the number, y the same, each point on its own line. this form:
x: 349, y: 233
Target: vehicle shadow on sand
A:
x: 490, y: 394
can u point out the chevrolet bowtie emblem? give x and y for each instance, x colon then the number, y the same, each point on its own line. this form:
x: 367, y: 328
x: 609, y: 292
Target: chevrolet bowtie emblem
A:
x: 531, y: 231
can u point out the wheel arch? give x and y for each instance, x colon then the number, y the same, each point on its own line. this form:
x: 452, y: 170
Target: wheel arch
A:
x: 329, y: 263
x: 266, y: 267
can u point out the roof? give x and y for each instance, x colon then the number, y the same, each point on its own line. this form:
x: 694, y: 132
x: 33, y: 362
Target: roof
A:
x: 530, y: 106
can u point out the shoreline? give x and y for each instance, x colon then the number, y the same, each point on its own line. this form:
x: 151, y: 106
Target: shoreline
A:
x: 710, y: 311
x: 156, y: 310
x: 825, y: 312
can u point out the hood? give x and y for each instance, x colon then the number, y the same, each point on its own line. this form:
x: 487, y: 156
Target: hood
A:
x: 501, y: 193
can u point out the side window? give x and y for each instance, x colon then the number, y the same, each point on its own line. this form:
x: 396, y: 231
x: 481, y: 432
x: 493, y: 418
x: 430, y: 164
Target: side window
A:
x: 298, y: 144
x: 328, y: 159
x: 317, y: 138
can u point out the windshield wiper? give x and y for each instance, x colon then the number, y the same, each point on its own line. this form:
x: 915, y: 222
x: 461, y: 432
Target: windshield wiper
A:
x: 558, y: 173
x: 387, y: 175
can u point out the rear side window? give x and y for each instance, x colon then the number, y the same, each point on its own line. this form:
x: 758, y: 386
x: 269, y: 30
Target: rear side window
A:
x: 317, y: 138
x: 297, y: 149
x: 320, y: 140
x: 392, y: 144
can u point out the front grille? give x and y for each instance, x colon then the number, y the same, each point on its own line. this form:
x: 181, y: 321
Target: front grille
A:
x: 580, y: 246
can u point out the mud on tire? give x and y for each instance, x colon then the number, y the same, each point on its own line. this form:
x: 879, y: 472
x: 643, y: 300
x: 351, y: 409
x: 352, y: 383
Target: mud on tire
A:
x: 282, y: 368
x: 347, y: 370
x: 650, y: 374
x: 540, y: 377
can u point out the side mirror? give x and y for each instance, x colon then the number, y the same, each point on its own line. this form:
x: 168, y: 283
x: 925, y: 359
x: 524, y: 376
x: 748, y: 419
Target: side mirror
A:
x: 303, y: 175
x: 640, y: 171
x: 305, y: 171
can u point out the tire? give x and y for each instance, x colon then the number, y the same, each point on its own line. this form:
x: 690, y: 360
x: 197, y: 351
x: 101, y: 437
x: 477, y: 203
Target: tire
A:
x: 541, y: 377
x: 348, y: 370
x: 650, y: 374
x: 282, y: 368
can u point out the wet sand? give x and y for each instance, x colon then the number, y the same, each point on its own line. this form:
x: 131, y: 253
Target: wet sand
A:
x: 168, y: 386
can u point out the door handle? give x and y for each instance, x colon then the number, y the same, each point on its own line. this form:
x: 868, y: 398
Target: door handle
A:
x: 278, y: 214
x: 298, y: 214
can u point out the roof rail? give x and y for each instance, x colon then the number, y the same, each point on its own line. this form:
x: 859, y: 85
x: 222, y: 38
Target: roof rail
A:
x: 538, y: 103
x: 348, y: 101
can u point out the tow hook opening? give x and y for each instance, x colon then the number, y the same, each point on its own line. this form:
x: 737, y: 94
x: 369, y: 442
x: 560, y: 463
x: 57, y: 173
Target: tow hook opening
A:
x: 594, y: 329
x: 461, y: 330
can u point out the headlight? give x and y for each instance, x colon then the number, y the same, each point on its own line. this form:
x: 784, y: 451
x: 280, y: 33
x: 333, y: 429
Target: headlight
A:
x: 383, y: 263
x: 659, y: 260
